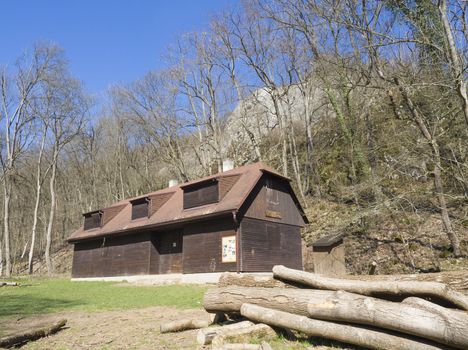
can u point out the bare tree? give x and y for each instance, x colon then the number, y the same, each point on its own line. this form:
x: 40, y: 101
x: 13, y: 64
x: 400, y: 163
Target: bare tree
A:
x: 66, y: 120
x: 150, y: 103
x: 18, y: 90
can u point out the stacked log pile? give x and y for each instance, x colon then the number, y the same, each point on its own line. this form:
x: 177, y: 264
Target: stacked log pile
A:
x: 372, y: 314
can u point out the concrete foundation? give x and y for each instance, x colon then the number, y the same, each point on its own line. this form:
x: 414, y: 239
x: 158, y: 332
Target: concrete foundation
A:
x: 176, y: 278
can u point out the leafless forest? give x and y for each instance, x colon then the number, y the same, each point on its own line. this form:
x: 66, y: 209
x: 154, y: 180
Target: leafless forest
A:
x: 361, y: 103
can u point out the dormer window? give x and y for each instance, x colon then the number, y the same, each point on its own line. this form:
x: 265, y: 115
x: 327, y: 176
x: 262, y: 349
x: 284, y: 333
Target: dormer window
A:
x: 139, y: 208
x: 201, y: 193
x: 92, y: 219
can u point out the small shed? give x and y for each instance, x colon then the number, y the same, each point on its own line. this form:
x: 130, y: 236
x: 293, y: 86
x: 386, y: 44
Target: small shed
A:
x: 246, y: 219
x: 329, y: 255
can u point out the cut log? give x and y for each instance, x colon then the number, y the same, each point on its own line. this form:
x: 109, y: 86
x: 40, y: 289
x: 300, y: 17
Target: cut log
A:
x: 230, y: 299
x: 206, y: 335
x: 360, y: 336
x: 457, y: 280
x: 244, y: 335
x: 447, y: 328
x: 183, y: 325
x: 9, y: 284
x: 30, y: 335
x: 398, y: 288
x: 243, y: 280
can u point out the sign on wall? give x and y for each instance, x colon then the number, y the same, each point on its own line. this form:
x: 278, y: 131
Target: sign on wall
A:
x: 229, y: 249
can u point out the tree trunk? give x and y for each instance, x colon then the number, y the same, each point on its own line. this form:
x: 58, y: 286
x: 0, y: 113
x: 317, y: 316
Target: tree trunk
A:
x: 1, y: 257
x: 6, y: 224
x: 50, y: 223
x: 36, y: 205
x: 206, y: 335
x: 368, y: 338
x: 34, y: 334
x: 284, y: 144
x: 183, y: 325
x: 457, y: 68
x: 439, y: 190
x: 398, y: 288
x: 423, y: 128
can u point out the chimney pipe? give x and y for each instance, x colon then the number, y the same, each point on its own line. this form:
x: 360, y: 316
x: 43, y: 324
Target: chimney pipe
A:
x: 173, y: 182
x: 228, y: 164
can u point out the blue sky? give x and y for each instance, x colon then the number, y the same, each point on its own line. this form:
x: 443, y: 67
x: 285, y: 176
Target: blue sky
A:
x: 106, y: 41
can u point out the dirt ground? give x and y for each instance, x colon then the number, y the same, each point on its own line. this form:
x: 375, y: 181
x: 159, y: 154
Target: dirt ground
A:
x: 122, y: 329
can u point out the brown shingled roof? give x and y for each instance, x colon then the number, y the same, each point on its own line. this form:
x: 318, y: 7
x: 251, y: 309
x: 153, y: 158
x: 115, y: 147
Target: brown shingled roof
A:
x: 172, y: 211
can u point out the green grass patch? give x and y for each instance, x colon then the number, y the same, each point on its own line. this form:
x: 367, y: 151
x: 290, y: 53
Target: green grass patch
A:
x: 40, y: 296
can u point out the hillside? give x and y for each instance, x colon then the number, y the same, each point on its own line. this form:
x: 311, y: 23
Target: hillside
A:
x: 399, y: 242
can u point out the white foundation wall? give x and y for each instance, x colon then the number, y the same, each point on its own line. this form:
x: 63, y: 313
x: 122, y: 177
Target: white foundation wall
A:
x: 178, y: 278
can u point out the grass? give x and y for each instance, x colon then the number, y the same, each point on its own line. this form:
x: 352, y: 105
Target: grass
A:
x: 40, y: 296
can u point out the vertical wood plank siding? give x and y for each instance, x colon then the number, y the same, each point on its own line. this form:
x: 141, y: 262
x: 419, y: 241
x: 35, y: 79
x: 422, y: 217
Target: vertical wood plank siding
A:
x: 92, y: 220
x: 265, y: 244
x: 169, y: 251
x: 116, y: 256
x: 202, y: 246
x: 139, y: 208
x: 201, y: 194
x: 274, y: 195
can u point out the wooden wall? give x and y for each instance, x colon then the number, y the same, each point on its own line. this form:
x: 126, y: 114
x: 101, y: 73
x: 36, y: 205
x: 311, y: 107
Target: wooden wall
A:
x: 265, y: 244
x: 330, y: 261
x: 202, y: 246
x: 116, y: 256
x: 166, y: 252
x: 271, y: 200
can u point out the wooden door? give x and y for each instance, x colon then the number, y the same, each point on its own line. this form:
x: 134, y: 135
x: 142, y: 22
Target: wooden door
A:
x: 169, y: 246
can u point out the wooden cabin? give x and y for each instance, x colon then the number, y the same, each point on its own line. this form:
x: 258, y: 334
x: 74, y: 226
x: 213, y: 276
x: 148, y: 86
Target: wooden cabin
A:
x: 246, y: 219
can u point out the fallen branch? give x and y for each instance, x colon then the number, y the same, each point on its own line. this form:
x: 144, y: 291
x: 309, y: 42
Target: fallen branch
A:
x: 244, y: 335
x: 206, y: 335
x: 30, y: 335
x: 399, y: 288
x: 359, y: 336
x: 183, y: 325
x: 9, y: 284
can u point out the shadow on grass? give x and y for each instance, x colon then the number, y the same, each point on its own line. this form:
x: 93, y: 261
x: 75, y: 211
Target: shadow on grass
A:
x: 20, y: 305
